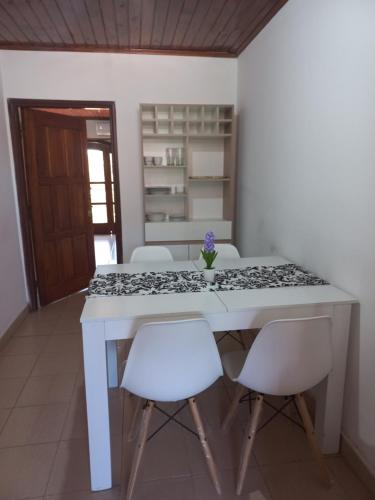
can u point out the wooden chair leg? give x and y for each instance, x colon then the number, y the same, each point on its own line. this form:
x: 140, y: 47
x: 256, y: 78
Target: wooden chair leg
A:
x: 140, y: 447
x: 125, y: 401
x: 240, y: 391
x: 205, y: 446
x: 135, y: 418
x: 248, y: 445
x: 310, y: 433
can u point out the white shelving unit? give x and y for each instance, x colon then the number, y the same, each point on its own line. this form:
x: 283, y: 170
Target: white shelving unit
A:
x: 201, y: 180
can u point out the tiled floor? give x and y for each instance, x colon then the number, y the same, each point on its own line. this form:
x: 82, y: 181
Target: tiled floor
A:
x: 43, y: 436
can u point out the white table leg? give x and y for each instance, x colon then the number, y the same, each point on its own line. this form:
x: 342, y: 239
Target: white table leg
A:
x: 95, y: 365
x: 111, y: 346
x: 330, y: 395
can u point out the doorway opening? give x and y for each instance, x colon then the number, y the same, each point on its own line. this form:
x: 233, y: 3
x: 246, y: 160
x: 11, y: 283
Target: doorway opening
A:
x: 67, y: 179
x: 102, y: 199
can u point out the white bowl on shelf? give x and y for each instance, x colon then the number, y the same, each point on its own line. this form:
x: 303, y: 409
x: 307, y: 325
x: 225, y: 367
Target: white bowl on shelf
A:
x: 158, y: 190
x: 156, y: 216
x: 177, y: 218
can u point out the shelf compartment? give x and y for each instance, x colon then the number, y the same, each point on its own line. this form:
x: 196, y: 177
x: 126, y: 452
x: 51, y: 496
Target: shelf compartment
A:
x: 210, y: 128
x: 163, y: 111
x: 194, y: 112
x: 225, y: 112
x: 149, y: 127
x: 210, y: 113
x: 225, y: 128
x: 179, y: 127
x: 194, y: 128
x: 164, y: 127
x: 178, y: 112
x: 148, y: 112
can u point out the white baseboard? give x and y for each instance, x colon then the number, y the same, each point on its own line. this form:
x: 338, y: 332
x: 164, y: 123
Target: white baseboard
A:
x: 352, y: 457
x: 13, y: 327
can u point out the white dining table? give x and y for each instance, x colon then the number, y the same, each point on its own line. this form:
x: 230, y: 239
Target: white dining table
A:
x: 110, y: 318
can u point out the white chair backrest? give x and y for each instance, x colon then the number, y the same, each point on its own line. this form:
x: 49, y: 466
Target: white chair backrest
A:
x: 151, y: 253
x: 289, y: 356
x: 225, y: 251
x: 172, y: 360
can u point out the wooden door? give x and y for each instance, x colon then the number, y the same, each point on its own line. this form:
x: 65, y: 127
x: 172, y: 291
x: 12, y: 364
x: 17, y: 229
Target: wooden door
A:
x: 58, y: 197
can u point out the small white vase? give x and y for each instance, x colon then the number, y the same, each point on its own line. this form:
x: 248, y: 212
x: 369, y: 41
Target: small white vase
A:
x: 209, y: 275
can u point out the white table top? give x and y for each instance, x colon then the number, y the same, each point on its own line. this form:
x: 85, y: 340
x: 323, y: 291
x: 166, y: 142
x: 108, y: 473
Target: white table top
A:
x: 241, y: 300
x: 141, y: 306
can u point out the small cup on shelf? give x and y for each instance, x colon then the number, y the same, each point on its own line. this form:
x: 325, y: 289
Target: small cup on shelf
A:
x: 157, y: 160
x: 148, y: 160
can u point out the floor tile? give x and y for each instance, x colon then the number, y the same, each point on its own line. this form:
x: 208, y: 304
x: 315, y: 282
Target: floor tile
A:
x: 17, y: 365
x: 75, y: 426
x: 33, y: 425
x: 47, y: 389
x: 169, y: 489
x: 68, y: 324
x: 281, y: 441
x: 165, y: 456
x: 67, y: 344
x: 10, y: 389
x: 24, y: 345
x: 25, y: 470
x: 4, y: 414
x: 35, y: 325
x: 57, y: 362
x: 350, y: 483
x: 254, y: 486
x: 299, y: 480
x: 71, y: 468
x: 112, y: 494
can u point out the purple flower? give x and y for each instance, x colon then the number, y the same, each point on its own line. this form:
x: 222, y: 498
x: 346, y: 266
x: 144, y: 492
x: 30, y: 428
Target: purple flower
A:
x: 209, y: 242
x: 208, y: 252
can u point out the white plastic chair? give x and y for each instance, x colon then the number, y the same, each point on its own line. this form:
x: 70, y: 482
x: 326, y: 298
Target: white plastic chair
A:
x: 151, y: 253
x: 287, y: 357
x: 172, y: 361
x: 225, y: 251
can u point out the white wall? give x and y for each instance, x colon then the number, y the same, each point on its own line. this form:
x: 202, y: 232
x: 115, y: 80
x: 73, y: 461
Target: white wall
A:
x: 307, y: 166
x: 12, y: 286
x: 128, y: 80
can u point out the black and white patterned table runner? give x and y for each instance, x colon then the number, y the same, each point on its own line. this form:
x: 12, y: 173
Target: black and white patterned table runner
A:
x: 154, y: 283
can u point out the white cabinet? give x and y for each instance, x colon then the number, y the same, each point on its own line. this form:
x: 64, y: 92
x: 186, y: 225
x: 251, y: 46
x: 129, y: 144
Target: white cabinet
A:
x: 190, y: 231
x: 189, y: 166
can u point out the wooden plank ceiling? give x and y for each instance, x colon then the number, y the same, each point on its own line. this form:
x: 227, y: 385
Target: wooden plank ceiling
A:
x: 192, y: 27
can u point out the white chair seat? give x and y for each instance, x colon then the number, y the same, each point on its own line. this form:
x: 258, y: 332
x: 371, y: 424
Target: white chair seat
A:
x: 233, y: 363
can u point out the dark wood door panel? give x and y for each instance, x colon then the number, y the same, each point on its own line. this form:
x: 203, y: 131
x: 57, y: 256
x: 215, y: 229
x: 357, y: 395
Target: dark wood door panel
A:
x: 58, y: 190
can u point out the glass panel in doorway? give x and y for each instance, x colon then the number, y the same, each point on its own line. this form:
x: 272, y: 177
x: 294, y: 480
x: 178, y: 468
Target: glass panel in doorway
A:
x: 105, y: 249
